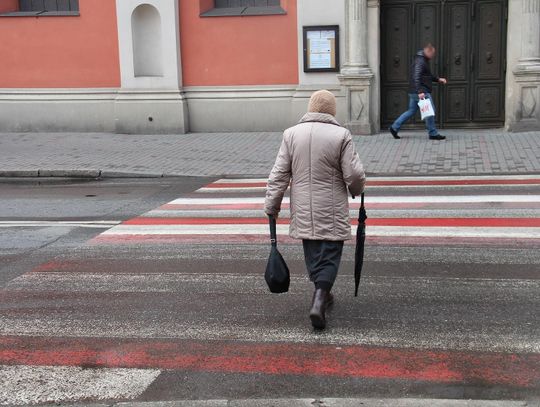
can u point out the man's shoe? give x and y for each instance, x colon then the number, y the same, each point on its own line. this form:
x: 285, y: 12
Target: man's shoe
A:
x: 394, y: 133
x: 437, y: 137
x: 318, y: 309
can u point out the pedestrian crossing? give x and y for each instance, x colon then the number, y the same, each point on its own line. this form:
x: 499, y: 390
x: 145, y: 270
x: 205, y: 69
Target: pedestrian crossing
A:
x: 490, y: 209
x: 180, y: 290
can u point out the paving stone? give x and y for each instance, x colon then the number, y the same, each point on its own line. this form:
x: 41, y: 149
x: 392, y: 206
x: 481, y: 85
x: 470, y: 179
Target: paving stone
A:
x: 221, y: 154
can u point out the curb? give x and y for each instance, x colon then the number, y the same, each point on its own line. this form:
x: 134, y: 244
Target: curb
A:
x: 330, y: 402
x: 101, y: 174
x: 76, y: 173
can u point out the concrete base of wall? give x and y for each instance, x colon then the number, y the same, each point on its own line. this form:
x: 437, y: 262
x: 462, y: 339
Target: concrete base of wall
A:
x: 216, y: 109
x: 54, y: 110
x: 211, y: 109
x: 195, y: 109
x: 140, y: 112
x: 525, y: 114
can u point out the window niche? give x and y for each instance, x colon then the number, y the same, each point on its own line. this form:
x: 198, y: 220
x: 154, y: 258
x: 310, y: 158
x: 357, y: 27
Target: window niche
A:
x: 231, y: 8
x: 41, y: 8
x: 147, y: 41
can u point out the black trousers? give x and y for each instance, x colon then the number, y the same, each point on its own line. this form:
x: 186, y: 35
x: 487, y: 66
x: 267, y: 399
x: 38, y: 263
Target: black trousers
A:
x: 322, y: 261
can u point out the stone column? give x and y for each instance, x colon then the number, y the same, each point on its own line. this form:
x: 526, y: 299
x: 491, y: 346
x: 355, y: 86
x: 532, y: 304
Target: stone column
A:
x: 355, y: 37
x: 527, y: 71
x: 356, y: 76
x: 530, y: 42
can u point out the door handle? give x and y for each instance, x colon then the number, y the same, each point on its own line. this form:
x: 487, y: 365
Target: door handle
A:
x: 489, y: 57
x: 457, y: 59
x: 397, y: 60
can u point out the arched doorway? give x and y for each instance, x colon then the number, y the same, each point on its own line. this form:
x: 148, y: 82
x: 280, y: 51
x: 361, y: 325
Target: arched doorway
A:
x: 471, y: 40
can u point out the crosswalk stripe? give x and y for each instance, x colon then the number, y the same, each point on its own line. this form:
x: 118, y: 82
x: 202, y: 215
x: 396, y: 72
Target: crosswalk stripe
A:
x: 442, y: 366
x: 234, y: 210
x: 34, y: 383
x: 425, y: 222
x: 255, y: 185
x: 371, y: 199
x: 519, y: 177
x: 249, y: 230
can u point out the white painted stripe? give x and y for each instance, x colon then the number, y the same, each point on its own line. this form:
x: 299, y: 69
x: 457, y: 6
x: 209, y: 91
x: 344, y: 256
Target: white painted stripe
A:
x: 230, y: 189
x: 80, y: 224
x: 205, y: 283
x: 24, y: 385
x: 405, y: 231
x: 388, y: 333
x: 421, y: 178
x: 374, y: 199
x: 374, y: 213
x: 220, y: 190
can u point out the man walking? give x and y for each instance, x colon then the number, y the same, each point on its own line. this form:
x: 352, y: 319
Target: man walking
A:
x: 420, y: 87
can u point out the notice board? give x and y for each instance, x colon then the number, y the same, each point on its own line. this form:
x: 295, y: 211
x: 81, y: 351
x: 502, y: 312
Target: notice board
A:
x: 321, y: 48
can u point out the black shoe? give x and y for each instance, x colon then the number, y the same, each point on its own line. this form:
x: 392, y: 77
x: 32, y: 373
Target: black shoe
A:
x: 394, y: 133
x: 329, y: 300
x: 437, y: 137
x: 318, y: 309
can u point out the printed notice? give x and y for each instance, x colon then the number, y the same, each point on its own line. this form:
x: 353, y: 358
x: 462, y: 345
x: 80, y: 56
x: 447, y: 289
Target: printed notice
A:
x: 320, y: 49
x: 317, y: 61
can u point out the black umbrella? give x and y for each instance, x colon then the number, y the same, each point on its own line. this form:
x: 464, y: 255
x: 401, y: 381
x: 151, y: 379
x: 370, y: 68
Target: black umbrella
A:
x: 360, y: 242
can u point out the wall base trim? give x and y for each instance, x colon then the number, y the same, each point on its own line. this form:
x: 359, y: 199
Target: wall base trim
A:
x: 196, y: 109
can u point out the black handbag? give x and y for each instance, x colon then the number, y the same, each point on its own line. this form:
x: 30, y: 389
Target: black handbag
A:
x: 277, y: 274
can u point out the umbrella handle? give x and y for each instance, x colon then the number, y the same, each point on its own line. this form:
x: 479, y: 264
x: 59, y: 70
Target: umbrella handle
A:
x: 362, y: 201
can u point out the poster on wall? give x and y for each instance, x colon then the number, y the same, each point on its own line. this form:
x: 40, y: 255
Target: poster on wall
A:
x: 321, y: 48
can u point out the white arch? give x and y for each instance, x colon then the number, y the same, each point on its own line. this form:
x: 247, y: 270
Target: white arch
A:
x: 147, y: 41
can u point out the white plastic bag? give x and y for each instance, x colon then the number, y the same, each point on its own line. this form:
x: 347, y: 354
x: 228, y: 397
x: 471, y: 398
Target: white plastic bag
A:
x: 426, y: 108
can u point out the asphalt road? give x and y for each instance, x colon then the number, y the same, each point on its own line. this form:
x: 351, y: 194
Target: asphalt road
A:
x: 152, y: 290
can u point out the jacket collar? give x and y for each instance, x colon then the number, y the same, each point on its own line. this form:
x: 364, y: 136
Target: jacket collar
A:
x: 421, y: 54
x: 319, y: 118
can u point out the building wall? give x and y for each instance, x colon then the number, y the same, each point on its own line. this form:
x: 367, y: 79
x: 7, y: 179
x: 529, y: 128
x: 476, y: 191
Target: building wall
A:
x: 219, y: 73
x: 61, y: 52
x: 9, y: 5
x: 317, y: 12
x: 310, y: 13
x: 230, y: 51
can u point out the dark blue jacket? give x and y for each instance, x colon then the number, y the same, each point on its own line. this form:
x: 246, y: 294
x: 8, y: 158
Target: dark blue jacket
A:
x: 421, y: 77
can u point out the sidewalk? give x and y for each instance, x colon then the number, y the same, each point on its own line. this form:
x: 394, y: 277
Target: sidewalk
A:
x: 222, y: 154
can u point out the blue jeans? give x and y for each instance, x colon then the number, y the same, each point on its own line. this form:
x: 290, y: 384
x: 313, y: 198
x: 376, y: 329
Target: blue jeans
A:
x: 413, y: 108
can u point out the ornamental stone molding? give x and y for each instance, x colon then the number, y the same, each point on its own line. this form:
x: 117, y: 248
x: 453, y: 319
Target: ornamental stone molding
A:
x: 356, y: 76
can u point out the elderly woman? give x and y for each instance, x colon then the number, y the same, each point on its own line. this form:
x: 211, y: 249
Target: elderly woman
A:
x: 318, y: 159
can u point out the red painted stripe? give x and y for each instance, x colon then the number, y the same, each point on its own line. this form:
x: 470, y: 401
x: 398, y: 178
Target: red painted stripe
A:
x: 285, y: 239
x: 516, y: 370
x: 237, y: 185
x: 402, y: 222
x: 457, y: 182
x: 442, y: 182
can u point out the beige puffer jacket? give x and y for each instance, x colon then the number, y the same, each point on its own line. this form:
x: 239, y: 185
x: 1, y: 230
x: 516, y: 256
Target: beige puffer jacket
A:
x: 318, y: 158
